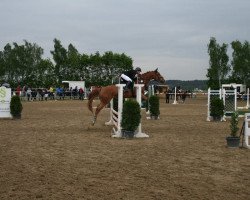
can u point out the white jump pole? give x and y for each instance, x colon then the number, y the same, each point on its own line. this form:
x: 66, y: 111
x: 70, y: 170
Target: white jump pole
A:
x: 175, y: 102
x: 118, y: 132
x: 247, y: 98
x: 235, y: 99
x: 208, y: 105
x: 247, y: 130
x: 139, y: 133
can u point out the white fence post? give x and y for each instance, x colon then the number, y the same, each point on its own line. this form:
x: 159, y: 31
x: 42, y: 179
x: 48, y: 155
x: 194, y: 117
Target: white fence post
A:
x: 247, y: 129
x: 175, y: 101
x: 5, y: 98
x: 247, y: 98
x: 139, y: 133
x: 113, y: 119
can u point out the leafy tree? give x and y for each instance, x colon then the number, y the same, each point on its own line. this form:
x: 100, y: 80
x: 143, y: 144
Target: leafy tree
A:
x: 84, y: 68
x: 45, y: 74
x: 103, y: 69
x: 241, y: 62
x: 114, y: 64
x: 19, y: 63
x: 218, y: 64
x: 24, y: 64
x: 60, y: 57
x: 6, y: 67
x: 95, y: 69
x: 73, y: 69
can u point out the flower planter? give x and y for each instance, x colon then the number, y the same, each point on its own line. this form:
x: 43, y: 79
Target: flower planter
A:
x: 131, y: 118
x: 16, y: 107
x: 217, y: 108
x: 128, y: 134
x: 217, y: 118
x: 17, y: 116
x: 154, y: 107
x: 233, y: 142
x: 154, y: 117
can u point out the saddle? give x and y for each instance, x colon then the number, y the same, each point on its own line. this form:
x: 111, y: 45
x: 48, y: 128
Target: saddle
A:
x: 129, y: 87
x: 129, y: 92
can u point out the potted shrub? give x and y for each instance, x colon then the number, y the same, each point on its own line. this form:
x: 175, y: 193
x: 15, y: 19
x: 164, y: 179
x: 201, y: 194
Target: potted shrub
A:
x: 154, y: 107
x: 233, y: 140
x: 16, y: 107
x: 217, y: 108
x: 131, y: 118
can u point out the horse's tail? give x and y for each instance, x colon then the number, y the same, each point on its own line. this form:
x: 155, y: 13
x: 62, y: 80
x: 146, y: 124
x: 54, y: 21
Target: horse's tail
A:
x: 91, y: 96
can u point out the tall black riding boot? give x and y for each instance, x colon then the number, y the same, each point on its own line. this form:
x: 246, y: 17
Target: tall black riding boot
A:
x: 127, y: 85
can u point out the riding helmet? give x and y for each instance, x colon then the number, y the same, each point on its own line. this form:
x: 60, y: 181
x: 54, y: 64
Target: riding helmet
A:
x: 138, y: 69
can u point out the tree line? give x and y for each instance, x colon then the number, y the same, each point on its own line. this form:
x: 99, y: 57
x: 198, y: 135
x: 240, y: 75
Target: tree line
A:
x: 222, y: 70
x: 24, y: 64
x: 187, y: 85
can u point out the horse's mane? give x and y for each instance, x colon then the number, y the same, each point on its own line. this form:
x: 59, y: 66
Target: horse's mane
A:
x: 149, y: 75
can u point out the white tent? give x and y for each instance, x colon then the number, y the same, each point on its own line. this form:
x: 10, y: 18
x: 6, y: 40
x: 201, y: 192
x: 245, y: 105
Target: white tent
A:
x: 73, y: 84
x: 239, y: 87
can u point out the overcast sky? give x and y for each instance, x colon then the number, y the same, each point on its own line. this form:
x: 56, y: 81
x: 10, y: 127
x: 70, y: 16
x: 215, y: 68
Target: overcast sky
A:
x: 169, y: 34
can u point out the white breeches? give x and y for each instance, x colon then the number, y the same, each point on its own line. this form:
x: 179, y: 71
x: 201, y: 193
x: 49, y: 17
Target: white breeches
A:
x: 126, y: 78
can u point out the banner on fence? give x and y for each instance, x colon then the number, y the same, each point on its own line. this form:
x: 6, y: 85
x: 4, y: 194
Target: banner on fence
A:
x: 5, y: 97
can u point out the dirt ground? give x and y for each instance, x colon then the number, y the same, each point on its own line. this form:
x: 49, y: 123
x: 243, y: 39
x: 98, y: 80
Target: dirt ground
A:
x: 54, y: 153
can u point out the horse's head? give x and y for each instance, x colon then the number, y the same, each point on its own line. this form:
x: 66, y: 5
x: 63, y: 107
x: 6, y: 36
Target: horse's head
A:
x: 152, y: 75
x: 158, y: 77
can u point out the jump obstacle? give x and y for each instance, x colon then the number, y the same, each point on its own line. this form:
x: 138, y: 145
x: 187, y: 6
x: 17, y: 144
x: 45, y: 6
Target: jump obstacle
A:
x: 178, y: 94
x: 175, y: 99
x: 247, y: 99
x: 247, y: 129
x: 116, y: 116
x: 229, y: 99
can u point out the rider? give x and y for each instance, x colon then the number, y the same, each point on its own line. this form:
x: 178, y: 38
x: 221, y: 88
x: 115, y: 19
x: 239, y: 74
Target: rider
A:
x: 130, y: 76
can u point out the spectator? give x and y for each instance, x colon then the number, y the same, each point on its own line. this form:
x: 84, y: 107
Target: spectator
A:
x: 24, y: 89
x: 75, y: 91
x: 51, y: 93
x: 81, y: 92
x: 33, y: 94
x: 59, y: 92
x: 184, y: 95
x: 29, y: 94
x: 167, y: 96
x: 46, y: 94
x: 18, y: 90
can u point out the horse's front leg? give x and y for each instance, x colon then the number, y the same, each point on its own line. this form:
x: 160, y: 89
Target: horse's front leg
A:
x: 98, y: 109
x: 93, y: 120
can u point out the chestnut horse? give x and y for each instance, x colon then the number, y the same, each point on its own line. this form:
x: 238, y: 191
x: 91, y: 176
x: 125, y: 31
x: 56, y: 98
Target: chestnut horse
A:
x: 107, y: 93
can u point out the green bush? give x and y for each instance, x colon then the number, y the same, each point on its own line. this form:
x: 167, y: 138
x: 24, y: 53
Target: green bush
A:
x: 15, y: 106
x: 216, y: 107
x: 234, y: 124
x: 154, y: 105
x: 131, y: 115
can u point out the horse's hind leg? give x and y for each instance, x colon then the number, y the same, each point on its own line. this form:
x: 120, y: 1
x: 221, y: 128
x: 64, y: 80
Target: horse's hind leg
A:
x: 98, y: 109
